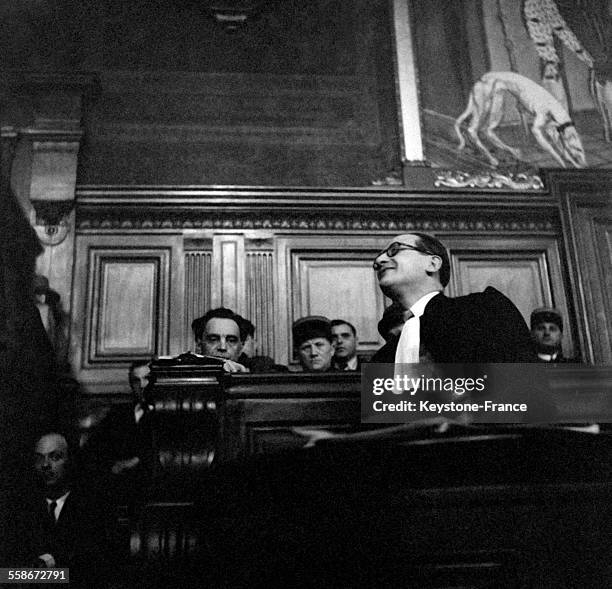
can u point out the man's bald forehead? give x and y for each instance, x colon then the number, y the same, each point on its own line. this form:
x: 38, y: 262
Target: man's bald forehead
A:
x: 51, y: 442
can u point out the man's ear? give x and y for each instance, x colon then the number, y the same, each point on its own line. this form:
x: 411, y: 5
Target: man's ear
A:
x: 435, y: 263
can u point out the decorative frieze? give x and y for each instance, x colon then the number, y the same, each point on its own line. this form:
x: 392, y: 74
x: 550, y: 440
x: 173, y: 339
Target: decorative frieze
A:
x: 458, y: 179
x: 156, y: 219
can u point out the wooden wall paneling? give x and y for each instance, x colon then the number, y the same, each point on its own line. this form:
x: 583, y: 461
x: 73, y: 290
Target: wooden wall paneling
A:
x: 282, y: 352
x: 176, y: 308
x: 329, y: 276
x: 228, y: 279
x: 260, y: 294
x: 131, y: 290
x: 338, y: 286
x: 586, y: 209
x: 198, y: 279
x: 128, y: 305
x: 526, y: 269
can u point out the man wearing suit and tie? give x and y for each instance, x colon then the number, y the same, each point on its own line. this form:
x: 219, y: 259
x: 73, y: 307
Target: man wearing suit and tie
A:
x: 60, y: 524
x: 486, y: 327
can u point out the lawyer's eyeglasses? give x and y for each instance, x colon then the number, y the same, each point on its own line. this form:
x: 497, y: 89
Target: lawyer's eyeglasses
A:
x: 394, y: 248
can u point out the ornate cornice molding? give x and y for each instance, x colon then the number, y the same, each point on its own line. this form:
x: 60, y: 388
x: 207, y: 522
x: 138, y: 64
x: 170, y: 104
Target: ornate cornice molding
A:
x: 380, y: 209
x: 336, y: 197
x: 132, y: 219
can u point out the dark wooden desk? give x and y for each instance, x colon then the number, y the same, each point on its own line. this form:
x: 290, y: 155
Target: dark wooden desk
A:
x: 203, y: 415
x: 261, y: 410
x: 531, y: 507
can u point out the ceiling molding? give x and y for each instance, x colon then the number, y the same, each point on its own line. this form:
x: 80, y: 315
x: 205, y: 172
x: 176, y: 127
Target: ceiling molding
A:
x: 348, y: 210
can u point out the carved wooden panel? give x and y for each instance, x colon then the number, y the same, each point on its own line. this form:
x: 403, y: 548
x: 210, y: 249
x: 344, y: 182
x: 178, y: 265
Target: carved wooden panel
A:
x: 228, y: 272
x: 262, y: 410
x: 261, y: 299
x: 197, y: 291
x: 527, y: 270
x: 125, y: 320
x: 128, y: 304
x: 270, y: 439
x: 330, y: 276
x: 586, y: 205
x: 523, y: 281
x: 165, y: 533
x: 339, y: 289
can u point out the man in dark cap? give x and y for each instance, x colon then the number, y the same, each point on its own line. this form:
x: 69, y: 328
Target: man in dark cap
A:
x: 547, y: 332
x: 314, y: 343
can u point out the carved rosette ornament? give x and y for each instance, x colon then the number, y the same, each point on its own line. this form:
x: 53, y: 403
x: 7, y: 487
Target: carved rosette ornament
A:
x: 458, y: 179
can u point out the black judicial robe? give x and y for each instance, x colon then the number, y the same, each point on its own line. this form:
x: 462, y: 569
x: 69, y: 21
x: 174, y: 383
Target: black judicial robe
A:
x: 481, y: 327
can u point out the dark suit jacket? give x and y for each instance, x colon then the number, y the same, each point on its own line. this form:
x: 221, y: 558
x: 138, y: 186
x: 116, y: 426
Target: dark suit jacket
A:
x: 82, y: 539
x: 357, y: 368
x: 261, y: 364
x: 119, y: 437
x: 481, y: 327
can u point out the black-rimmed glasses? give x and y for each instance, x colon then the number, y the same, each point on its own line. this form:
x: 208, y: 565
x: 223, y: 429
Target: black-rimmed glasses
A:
x: 397, y: 246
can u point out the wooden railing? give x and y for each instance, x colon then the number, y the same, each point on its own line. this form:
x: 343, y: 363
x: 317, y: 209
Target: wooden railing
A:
x: 203, y: 415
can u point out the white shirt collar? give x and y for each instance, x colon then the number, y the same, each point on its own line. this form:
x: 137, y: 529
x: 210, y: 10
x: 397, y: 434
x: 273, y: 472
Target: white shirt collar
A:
x: 419, y: 307
x: 352, y: 364
x: 59, y: 503
x: 548, y: 357
x: 407, y: 351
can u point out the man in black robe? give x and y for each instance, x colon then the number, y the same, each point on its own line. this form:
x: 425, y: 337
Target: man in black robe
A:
x: 486, y: 327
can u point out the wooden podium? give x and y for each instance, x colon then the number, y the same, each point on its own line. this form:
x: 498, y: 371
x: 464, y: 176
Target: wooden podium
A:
x: 186, y: 422
x: 202, y: 415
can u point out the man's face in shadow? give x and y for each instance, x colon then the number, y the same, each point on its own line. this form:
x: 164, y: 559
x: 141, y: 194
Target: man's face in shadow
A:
x: 139, y: 379
x: 52, y: 463
x: 547, y: 336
